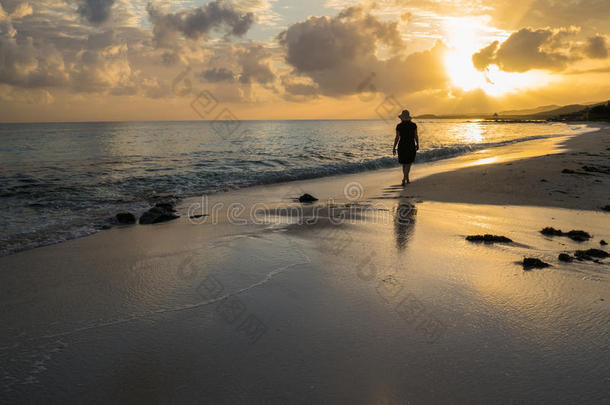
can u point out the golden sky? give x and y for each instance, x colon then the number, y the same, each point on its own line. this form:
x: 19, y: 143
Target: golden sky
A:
x: 97, y: 60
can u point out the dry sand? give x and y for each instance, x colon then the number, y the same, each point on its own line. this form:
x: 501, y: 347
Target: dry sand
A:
x: 379, y: 299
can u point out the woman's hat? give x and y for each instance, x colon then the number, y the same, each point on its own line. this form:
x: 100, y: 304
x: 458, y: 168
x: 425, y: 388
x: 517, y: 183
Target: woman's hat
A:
x: 405, y: 115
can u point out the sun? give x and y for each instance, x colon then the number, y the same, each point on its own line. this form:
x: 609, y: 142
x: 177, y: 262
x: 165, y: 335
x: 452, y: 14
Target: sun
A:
x: 467, y: 35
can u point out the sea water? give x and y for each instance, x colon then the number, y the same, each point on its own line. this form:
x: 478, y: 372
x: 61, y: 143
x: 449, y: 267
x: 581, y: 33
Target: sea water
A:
x: 64, y: 180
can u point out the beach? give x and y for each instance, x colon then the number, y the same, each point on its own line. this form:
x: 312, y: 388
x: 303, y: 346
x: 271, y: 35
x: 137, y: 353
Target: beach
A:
x: 372, y: 294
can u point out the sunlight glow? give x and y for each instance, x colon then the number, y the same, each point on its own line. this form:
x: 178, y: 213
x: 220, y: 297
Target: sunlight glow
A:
x: 466, y: 36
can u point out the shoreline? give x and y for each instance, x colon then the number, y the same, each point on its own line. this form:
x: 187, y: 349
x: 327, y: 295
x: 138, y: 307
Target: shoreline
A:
x: 446, y: 155
x: 378, y: 307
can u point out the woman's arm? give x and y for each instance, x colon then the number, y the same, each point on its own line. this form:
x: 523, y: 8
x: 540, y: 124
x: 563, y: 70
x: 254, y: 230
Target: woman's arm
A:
x: 395, y: 142
x: 416, y: 140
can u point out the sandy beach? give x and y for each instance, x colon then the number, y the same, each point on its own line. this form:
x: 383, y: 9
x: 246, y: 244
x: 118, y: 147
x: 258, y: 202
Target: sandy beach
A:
x: 370, y: 295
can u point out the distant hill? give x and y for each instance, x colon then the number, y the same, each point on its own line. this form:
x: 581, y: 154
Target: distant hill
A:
x: 596, y: 112
x: 567, y: 109
x: 531, y: 111
x: 535, y: 114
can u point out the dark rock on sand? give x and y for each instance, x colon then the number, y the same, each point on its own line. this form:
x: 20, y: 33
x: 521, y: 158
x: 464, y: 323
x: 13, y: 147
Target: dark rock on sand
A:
x: 307, y: 198
x: 606, y: 208
x: 198, y: 216
x: 533, y: 263
x: 590, y: 254
x: 564, y: 257
x: 596, y: 169
x: 126, y: 218
x: 603, y: 242
x: 550, y: 231
x: 576, y: 235
x: 158, y: 214
x: 167, y: 206
x: 570, y: 171
x: 487, y: 238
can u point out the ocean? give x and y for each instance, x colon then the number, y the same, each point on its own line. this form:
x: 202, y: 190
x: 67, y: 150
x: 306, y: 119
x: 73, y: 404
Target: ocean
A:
x: 60, y: 181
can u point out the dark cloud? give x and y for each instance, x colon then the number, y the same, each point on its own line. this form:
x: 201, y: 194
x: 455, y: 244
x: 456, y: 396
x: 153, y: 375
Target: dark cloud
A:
x: 170, y: 58
x: 95, y: 11
x: 325, y: 42
x: 299, y: 87
x: 24, y: 63
x: 486, y: 56
x: 256, y: 66
x: 216, y: 75
x: 548, y: 49
x: 199, y: 22
x: 596, y: 47
x: 59, y: 56
x: 338, y: 53
x: 528, y: 49
x: 101, y: 40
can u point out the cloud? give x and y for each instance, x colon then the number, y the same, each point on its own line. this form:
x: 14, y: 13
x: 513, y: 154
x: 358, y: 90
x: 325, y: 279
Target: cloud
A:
x: 529, y: 49
x: 596, y: 47
x: 325, y: 42
x: 199, y: 22
x: 299, y: 89
x: 540, y: 13
x: 95, y: 11
x: 216, y: 75
x: 52, y: 53
x: 25, y: 63
x: 22, y: 10
x: 545, y: 48
x: 256, y: 66
x: 338, y: 53
x: 6, y: 19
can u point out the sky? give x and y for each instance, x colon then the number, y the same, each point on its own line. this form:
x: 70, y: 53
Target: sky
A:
x: 131, y: 60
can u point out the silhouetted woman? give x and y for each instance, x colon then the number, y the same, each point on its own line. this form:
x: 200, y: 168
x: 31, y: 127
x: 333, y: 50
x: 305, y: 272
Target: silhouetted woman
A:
x: 408, y: 143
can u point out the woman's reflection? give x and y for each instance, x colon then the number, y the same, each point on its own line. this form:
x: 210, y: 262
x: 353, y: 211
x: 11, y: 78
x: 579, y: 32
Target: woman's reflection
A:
x: 404, y: 222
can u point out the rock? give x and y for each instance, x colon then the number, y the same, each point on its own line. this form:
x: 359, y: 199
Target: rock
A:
x: 589, y: 254
x: 533, y: 263
x: 550, y: 231
x: 487, y: 238
x: 307, y: 198
x: 603, y: 242
x: 163, y: 198
x: 157, y: 214
x: 198, y: 216
x: 596, y: 169
x: 578, y: 236
x: 543, y: 180
x: 570, y: 171
x: 126, y: 218
x: 167, y: 206
x: 606, y: 208
x: 564, y: 257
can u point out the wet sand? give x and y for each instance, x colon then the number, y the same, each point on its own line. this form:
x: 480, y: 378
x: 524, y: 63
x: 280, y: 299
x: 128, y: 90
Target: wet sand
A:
x: 370, y: 295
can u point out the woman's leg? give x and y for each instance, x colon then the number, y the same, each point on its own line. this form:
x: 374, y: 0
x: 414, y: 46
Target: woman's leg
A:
x: 406, y: 168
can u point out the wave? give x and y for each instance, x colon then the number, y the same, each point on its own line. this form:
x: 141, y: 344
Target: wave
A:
x: 346, y: 167
x: 65, y: 211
